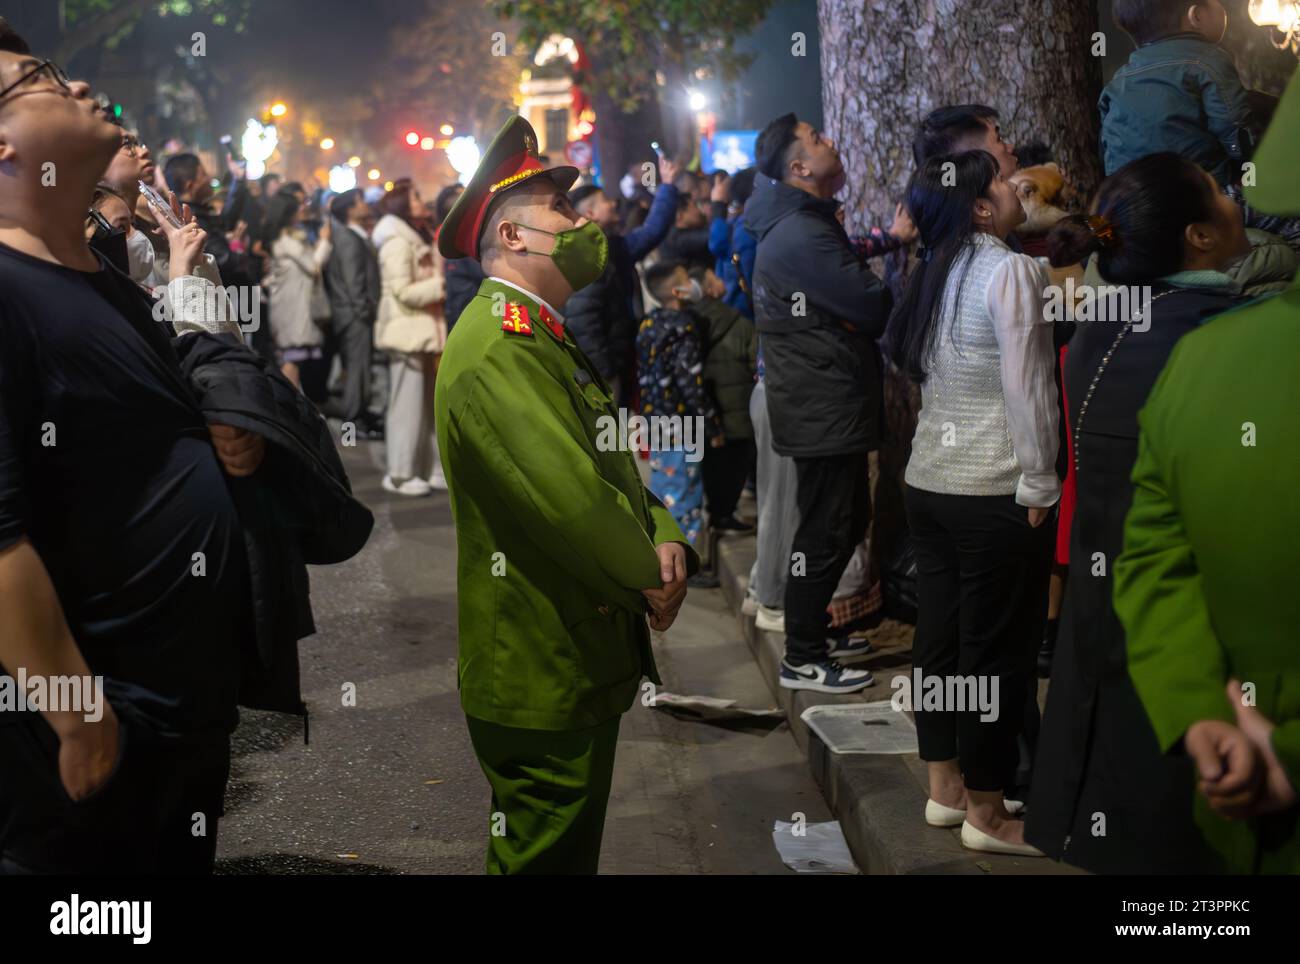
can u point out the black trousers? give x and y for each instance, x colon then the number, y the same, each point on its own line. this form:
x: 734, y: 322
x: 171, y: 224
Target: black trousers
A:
x: 834, y: 499
x: 725, y: 471
x: 354, y: 342
x: 982, y: 575
x: 143, y: 820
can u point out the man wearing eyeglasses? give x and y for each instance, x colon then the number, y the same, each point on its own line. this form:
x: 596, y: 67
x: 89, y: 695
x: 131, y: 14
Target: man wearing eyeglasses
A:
x: 121, y: 558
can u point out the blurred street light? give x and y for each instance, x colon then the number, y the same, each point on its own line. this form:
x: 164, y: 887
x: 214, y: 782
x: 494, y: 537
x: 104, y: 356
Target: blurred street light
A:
x: 327, y: 143
x: 426, y: 143
x: 463, y: 155
x: 412, y: 138
x: 258, y: 143
x: 373, y: 174
x: 697, y: 100
x: 279, y: 109
x: 342, y: 178
x: 446, y: 130
x: 354, y: 161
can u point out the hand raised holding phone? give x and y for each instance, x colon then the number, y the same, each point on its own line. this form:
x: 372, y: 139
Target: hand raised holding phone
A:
x: 185, y: 239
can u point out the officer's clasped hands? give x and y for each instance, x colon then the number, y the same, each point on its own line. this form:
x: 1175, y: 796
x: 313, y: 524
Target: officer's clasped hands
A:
x: 667, y: 600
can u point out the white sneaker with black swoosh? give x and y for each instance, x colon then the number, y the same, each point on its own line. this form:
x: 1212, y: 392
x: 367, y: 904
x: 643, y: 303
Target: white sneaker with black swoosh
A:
x: 826, y: 676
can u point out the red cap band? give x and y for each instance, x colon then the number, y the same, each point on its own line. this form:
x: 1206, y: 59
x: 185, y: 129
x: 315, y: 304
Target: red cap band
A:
x: 512, y: 170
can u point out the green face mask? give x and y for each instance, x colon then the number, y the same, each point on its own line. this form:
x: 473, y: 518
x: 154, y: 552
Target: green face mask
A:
x: 579, y: 253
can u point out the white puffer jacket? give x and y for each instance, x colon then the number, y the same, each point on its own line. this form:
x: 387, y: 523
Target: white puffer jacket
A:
x: 411, y: 290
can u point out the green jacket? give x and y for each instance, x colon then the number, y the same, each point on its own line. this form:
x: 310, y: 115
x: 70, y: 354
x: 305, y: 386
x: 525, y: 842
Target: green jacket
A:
x: 555, y: 532
x: 730, y: 346
x: 1205, y: 586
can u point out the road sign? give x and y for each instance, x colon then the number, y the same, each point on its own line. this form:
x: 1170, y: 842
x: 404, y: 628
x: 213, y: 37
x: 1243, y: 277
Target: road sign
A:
x: 578, y: 153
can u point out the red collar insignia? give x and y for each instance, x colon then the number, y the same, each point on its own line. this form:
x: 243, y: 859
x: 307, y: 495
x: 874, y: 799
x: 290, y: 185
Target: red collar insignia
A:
x: 550, y: 321
x: 517, y: 321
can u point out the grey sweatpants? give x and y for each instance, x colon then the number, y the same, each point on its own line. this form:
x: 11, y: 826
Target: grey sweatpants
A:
x: 778, y: 513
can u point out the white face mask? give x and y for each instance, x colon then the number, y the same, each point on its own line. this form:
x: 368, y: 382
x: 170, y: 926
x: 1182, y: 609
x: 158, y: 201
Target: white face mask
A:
x: 693, y: 294
x: 139, y: 255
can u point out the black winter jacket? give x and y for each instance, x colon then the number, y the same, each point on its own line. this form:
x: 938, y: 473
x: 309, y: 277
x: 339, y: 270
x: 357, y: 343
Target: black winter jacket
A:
x: 819, y: 311
x: 600, y: 319
x: 297, y: 509
x: 463, y: 276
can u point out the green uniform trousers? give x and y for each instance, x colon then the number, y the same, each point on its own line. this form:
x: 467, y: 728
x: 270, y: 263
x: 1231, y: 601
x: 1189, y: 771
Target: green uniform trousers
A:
x: 549, y: 792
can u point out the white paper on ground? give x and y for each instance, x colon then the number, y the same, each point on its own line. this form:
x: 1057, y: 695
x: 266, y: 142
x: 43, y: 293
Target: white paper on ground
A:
x: 862, y: 727
x: 819, y: 849
x: 709, y: 707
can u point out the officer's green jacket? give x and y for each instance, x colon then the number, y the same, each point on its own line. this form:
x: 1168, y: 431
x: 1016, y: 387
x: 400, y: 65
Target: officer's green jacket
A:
x: 1206, y: 585
x: 555, y: 531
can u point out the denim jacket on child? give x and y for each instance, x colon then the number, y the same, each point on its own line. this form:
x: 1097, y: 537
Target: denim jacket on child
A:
x: 1180, y: 94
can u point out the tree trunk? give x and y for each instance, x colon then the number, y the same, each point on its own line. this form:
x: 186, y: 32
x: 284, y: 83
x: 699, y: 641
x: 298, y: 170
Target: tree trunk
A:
x: 887, y: 63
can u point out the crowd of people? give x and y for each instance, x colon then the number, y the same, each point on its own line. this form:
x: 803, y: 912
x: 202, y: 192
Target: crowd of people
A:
x: 1102, y: 501
x: 1052, y: 457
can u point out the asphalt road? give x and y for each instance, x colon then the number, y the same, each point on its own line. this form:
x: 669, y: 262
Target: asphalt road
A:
x: 391, y: 785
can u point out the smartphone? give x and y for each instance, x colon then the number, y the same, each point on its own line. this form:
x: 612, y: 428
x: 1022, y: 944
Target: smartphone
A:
x: 228, y: 143
x: 160, y: 205
x: 654, y: 146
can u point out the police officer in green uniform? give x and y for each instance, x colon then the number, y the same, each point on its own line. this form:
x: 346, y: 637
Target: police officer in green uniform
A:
x: 563, y: 554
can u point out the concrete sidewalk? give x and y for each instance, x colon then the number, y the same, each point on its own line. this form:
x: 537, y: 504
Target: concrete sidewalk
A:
x: 878, y: 799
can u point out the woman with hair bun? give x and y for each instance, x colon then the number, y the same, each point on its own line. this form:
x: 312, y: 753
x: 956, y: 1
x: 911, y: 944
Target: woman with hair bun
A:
x: 1104, y: 797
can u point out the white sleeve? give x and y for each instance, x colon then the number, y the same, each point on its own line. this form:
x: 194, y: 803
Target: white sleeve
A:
x: 199, y: 305
x: 1015, y: 301
x: 322, y: 254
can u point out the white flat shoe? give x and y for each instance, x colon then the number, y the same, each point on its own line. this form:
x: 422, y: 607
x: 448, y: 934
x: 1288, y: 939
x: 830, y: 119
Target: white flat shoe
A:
x: 414, y: 488
x: 937, y: 815
x: 770, y: 620
x: 972, y: 838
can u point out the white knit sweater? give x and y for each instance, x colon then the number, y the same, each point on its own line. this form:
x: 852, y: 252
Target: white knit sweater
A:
x: 988, y: 423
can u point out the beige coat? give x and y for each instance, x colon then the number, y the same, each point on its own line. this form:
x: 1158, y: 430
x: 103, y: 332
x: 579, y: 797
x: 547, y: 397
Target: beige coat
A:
x: 411, y: 290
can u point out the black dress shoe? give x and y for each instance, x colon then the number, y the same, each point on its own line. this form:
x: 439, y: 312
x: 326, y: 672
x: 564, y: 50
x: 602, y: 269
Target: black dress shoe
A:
x: 729, y: 523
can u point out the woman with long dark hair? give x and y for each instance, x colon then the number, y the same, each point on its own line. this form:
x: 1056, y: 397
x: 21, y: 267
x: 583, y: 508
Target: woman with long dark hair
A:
x: 981, y: 481
x: 1104, y: 797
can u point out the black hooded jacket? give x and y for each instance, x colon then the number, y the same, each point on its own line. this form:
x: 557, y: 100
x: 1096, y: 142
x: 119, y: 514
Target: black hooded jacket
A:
x: 297, y: 509
x: 818, y: 310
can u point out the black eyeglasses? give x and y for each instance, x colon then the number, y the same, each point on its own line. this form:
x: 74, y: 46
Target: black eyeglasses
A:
x: 132, y: 145
x: 54, y: 71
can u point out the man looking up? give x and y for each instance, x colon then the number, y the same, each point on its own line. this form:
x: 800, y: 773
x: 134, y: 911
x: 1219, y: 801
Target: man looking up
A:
x: 121, y: 554
x: 562, y: 553
x: 819, y: 311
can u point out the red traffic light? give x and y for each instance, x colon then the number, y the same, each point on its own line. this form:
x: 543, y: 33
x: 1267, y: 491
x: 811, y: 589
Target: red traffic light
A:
x: 412, y: 138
